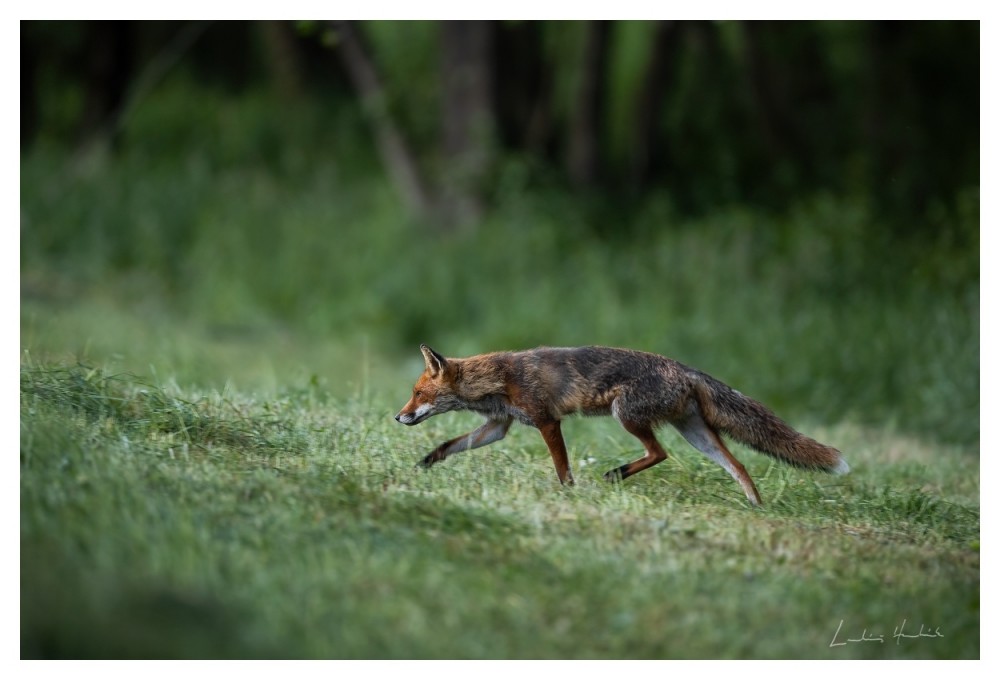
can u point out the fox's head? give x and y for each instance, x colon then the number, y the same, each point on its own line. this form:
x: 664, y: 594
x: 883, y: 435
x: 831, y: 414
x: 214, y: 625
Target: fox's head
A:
x: 434, y: 392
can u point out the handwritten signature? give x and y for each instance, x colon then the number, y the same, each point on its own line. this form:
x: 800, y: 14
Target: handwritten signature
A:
x: 899, y: 634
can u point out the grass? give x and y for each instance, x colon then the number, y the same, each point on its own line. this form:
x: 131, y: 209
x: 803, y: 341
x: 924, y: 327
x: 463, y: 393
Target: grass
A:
x: 164, y: 522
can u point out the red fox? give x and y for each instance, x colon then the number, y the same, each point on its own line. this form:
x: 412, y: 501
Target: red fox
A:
x: 538, y: 387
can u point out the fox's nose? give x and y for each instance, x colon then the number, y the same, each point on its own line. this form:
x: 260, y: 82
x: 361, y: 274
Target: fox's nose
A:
x: 397, y: 418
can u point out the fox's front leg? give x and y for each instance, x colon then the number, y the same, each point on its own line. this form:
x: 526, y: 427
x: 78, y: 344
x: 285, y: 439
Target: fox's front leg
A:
x: 552, y: 434
x: 487, y: 433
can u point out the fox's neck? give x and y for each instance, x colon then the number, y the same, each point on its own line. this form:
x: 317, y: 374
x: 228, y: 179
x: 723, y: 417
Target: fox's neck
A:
x: 478, y: 378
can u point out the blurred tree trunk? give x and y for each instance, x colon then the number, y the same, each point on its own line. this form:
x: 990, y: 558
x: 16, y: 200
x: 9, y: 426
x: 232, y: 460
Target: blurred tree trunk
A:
x: 111, y: 100
x: 396, y: 156
x: 883, y: 139
x: 284, y: 57
x: 468, y: 116
x: 583, y: 155
x: 657, y: 82
x: 107, y: 76
x: 523, y: 90
x: 771, y: 107
x: 29, y: 91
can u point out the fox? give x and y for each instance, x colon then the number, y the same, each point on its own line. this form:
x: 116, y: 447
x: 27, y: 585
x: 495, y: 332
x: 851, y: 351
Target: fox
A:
x: 642, y: 391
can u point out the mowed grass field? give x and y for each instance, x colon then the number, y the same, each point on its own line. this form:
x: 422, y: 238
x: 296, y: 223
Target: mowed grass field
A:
x: 163, y: 518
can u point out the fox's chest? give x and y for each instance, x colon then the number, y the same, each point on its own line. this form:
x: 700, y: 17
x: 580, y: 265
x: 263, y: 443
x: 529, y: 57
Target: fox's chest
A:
x: 498, y: 407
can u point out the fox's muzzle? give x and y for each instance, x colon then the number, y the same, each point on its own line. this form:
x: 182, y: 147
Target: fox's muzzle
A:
x: 422, y: 413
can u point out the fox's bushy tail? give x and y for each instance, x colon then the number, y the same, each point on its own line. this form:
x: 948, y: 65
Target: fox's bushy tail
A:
x: 750, y: 422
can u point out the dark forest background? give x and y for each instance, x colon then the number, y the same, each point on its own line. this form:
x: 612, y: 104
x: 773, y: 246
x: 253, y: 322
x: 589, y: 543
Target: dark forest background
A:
x: 710, y: 112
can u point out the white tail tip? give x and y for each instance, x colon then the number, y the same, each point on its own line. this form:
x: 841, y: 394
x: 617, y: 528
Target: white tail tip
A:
x: 841, y: 468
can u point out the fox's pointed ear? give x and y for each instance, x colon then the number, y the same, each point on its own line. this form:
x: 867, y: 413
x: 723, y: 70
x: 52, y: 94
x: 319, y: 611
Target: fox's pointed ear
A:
x: 435, y: 362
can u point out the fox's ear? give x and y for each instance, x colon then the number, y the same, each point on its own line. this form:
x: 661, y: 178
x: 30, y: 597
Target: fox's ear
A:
x: 435, y: 362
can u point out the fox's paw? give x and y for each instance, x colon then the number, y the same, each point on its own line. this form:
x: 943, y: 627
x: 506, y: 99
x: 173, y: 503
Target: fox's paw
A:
x: 435, y: 456
x: 614, y: 475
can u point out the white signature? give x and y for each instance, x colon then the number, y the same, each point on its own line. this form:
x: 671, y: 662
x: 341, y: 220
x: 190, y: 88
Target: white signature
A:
x: 899, y: 633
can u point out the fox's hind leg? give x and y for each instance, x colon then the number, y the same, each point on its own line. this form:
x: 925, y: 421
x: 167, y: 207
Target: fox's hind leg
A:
x: 705, y: 439
x: 654, y: 452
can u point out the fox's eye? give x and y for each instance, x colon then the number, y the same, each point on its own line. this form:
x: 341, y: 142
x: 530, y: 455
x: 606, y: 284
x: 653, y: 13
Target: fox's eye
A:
x: 418, y: 393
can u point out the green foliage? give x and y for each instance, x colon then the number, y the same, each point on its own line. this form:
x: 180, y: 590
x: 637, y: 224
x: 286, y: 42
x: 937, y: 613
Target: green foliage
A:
x: 818, y: 311
x: 407, y: 55
x: 145, y: 539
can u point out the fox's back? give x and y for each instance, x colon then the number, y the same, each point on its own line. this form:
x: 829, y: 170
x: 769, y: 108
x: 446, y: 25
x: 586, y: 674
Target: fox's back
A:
x: 588, y: 379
